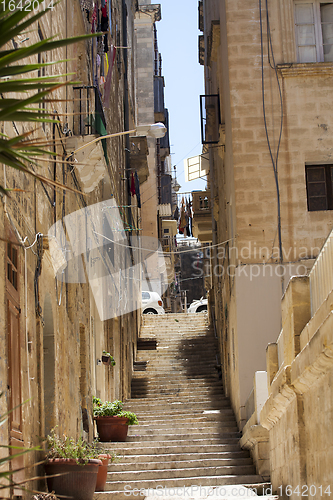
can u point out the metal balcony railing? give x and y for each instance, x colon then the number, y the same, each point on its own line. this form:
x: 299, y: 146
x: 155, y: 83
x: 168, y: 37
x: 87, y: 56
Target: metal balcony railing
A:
x: 88, y: 118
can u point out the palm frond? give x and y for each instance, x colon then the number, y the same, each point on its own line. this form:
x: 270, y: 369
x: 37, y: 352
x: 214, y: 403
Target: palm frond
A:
x: 18, y: 152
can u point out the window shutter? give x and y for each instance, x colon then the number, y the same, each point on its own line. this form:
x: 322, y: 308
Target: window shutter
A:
x: 326, y: 14
x: 316, y: 185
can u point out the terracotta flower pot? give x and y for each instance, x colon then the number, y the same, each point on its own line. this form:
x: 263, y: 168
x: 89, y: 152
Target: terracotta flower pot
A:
x: 102, y: 472
x: 112, y: 428
x: 71, y: 479
x: 106, y: 360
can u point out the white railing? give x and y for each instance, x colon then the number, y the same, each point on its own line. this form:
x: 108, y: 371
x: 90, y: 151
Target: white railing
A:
x: 321, y: 275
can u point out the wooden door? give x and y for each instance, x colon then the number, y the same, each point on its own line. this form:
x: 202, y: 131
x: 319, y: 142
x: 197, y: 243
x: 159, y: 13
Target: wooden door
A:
x: 14, y: 345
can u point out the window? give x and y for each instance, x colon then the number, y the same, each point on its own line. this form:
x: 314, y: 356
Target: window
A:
x: 12, y: 265
x: 319, y: 186
x: 314, y: 31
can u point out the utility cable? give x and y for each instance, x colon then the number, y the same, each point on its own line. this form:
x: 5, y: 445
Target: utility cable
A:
x: 273, y: 159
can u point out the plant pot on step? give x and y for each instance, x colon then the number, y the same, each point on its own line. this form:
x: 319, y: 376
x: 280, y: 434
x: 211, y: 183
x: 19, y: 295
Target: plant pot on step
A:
x: 72, y: 479
x: 112, y: 428
x: 102, y: 472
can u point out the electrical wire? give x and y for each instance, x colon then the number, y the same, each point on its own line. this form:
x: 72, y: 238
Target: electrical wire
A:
x: 274, y: 157
x: 161, y: 251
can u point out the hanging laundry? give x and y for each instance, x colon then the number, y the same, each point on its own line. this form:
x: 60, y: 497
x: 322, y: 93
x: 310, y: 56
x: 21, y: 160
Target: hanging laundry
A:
x: 104, y: 22
x: 176, y: 213
x: 107, y: 86
x: 106, y: 64
x: 106, y: 44
x: 94, y: 19
x: 132, y: 190
x: 137, y: 189
x: 182, y: 222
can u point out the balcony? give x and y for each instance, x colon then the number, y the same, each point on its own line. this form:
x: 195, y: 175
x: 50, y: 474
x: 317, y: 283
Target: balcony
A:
x: 202, y: 215
x: 210, y: 118
x: 87, y: 124
x: 159, y: 98
x: 138, y: 157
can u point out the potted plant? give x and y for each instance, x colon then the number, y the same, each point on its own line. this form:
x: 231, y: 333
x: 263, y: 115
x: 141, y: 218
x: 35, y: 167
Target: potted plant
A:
x: 111, y: 420
x: 107, y: 359
x: 71, y: 467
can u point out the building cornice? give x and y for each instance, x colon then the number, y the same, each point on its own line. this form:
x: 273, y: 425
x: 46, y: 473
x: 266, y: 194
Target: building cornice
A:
x: 153, y: 10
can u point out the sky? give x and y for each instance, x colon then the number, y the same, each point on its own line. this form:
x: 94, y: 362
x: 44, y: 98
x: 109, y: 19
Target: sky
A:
x: 177, y: 34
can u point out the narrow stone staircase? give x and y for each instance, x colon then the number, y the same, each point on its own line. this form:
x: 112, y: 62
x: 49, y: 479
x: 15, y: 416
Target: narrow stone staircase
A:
x: 187, y: 434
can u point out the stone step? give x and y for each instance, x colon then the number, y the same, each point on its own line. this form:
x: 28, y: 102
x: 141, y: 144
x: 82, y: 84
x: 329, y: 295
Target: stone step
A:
x: 182, y: 482
x: 200, y: 439
x: 191, y: 372
x: 135, y: 460
x: 171, y: 382
x: 159, y: 431
x: 175, y: 391
x: 140, y: 393
x: 234, y: 490
x: 171, y: 360
x: 149, y: 415
x: 187, y: 420
x: 171, y: 463
x: 167, y: 447
x: 138, y: 404
x: 189, y: 398
x: 168, y: 383
x: 158, y: 474
x: 148, y: 428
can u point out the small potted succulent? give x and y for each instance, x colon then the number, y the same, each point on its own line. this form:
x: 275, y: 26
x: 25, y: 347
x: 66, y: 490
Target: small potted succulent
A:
x: 111, y: 420
x: 107, y: 359
x: 71, y: 466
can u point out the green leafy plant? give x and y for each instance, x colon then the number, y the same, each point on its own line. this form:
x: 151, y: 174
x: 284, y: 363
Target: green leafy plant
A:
x: 113, y: 409
x: 67, y: 447
x: 21, y: 151
x: 78, y: 450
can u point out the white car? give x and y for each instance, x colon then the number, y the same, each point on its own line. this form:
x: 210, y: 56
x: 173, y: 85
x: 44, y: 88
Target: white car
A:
x: 152, y: 303
x: 198, y: 306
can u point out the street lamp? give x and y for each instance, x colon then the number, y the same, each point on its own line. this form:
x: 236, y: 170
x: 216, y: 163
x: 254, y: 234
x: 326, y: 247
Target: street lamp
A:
x: 155, y: 130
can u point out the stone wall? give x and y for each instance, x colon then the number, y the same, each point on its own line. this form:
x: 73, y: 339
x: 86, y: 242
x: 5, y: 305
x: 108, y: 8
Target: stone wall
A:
x: 298, y: 411
x: 61, y: 335
x: 242, y: 179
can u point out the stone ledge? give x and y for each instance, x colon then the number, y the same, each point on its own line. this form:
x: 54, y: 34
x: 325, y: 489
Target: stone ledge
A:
x: 312, y: 363
x: 252, y: 435
x: 279, y: 400
x: 315, y: 359
x: 305, y: 69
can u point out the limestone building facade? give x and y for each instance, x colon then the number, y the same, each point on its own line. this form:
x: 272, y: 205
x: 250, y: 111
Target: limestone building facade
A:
x: 266, y: 122
x: 63, y: 279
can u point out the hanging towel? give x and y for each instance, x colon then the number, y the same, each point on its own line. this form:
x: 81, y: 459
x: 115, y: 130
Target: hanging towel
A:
x: 105, y: 23
x: 137, y: 189
x: 106, y: 44
x: 107, y: 86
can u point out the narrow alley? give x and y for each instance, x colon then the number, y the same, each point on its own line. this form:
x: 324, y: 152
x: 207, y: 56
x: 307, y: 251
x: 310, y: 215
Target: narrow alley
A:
x: 187, y: 433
